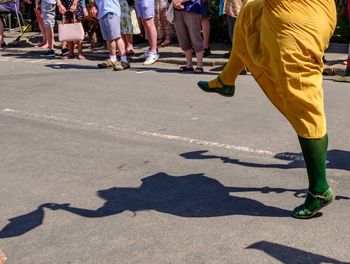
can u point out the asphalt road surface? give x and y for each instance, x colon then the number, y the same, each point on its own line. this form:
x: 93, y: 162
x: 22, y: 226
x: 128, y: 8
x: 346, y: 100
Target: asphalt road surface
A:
x: 140, y: 166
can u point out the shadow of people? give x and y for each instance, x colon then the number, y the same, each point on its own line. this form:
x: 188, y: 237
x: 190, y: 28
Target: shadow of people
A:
x: 194, y: 195
x: 336, y: 159
x: 291, y: 255
x: 201, y: 154
x: 22, y: 224
x: 166, y: 70
x: 68, y: 66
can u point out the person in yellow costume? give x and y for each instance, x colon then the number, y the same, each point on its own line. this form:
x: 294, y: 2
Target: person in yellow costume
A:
x: 282, y: 44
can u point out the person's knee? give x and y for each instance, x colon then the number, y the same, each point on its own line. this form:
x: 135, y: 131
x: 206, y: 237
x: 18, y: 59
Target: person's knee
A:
x: 148, y: 21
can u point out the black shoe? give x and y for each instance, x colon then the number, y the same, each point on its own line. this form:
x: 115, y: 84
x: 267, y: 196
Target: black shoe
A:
x: 65, y: 52
x: 3, y: 45
x: 49, y: 54
x: 206, y: 52
x: 224, y: 90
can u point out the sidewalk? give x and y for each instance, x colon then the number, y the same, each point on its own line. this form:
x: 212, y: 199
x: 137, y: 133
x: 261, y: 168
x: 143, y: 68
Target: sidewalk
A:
x: 335, y: 64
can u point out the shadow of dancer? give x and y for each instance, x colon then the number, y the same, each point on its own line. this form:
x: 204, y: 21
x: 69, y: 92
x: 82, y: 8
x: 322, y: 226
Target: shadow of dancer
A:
x: 24, y: 223
x: 192, y: 195
x: 336, y: 159
x: 291, y: 255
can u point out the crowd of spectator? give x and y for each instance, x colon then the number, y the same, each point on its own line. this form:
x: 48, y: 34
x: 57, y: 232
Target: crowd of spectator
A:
x: 120, y: 20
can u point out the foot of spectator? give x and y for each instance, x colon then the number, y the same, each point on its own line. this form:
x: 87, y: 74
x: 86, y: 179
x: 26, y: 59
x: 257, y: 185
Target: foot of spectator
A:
x: 68, y: 56
x: 81, y: 57
x: 42, y: 45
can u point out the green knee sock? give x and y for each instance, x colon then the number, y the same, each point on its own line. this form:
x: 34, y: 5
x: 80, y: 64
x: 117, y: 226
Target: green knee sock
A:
x: 315, y: 155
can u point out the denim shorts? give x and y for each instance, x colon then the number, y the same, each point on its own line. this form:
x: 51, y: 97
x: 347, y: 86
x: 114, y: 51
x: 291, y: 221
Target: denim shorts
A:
x: 144, y: 8
x: 110, y: 26
x: 48, y: 12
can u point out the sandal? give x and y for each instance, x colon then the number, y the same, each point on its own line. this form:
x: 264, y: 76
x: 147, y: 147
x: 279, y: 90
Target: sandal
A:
x: 318, y: 201
x: 198, y: 70
x: 224, y: 90
x: 185, y: 69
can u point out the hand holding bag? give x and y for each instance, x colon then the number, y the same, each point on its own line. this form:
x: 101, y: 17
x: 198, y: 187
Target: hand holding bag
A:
x: 70, y: 32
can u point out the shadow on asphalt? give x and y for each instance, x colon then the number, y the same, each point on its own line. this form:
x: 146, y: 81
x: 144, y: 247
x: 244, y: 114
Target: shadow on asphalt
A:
x: 336, y: 159
x: 193, y: 195
x: 173, y: 69
x: 68, y: 66
x: 289, y: 255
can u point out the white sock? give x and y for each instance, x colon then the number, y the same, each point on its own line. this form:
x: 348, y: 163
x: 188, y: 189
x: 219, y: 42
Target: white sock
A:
x: 113, y: 58
x: 124, y: 58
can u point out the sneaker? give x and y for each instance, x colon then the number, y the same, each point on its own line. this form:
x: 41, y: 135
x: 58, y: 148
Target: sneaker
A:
x: 151, y: 58
x: 121, y: 65
x: 49, y: 54
x: 107, y: 64
x: 65, y: 52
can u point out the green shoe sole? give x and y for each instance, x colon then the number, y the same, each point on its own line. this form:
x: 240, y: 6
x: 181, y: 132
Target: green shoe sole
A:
x: 301, y: 212
x: 224, y: 90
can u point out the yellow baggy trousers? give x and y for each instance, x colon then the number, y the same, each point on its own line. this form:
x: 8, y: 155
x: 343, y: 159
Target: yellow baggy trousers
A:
x: 282, y: 43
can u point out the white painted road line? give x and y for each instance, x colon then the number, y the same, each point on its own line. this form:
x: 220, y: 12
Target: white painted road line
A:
x: 149, y: 134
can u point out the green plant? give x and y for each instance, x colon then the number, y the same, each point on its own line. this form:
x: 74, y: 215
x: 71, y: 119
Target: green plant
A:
x: 219, y: 27
x: 342, y: 30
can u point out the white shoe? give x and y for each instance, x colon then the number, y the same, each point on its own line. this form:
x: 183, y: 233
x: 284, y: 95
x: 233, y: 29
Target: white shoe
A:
x: 151, y: 58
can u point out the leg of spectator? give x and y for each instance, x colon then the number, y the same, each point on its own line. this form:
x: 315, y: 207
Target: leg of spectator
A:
x: 80, y: 50
x: 188, y: 55
x: 128, y: 39
x: 43, y: 43
x: 205, y: 31
x: 2, y: 33
x: 121, y: 46
x: 151, y: 32
x: 49, y: 36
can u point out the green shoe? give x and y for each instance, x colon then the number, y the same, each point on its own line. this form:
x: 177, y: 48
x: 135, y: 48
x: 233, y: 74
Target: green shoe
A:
x: 224, y: 90
x: 315, y: 203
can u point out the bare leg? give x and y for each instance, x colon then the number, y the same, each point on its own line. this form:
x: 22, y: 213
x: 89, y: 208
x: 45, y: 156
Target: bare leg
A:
x: 206, y: 31
x: 151, y: 33
x: 80, y: 49
x: 121, y: 46
x: 43, y: 43
x: 112, y: 47
x: 1, y: 32
x: 199, y: 56
x: 70, y: 45
x: 49, y: 37
x: 188, y: 55
x: 128, y: 39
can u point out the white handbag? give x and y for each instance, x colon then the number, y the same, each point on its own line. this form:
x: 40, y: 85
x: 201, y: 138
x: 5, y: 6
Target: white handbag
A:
x: 70, y: 32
